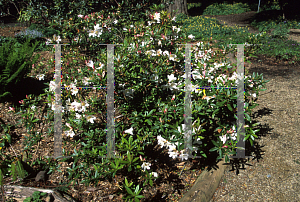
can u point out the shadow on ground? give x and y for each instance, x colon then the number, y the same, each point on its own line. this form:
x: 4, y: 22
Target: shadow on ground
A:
x: 26, y: 86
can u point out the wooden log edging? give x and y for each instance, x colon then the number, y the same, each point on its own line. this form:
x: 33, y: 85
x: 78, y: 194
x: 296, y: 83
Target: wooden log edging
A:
x: 206, y: 184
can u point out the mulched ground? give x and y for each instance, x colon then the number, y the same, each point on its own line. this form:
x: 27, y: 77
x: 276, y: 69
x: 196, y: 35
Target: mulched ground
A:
x: 170, y: 187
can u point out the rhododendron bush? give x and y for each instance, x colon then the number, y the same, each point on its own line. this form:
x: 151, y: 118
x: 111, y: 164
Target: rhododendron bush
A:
x: 149, y: 76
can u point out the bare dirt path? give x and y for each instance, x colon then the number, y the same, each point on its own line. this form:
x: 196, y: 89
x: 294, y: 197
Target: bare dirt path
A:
x: 273, y: 175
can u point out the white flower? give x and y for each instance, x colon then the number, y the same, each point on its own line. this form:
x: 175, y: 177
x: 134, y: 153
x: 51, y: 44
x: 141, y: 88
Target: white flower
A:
x: 209, y: 97
x: 90, y: 118
x: 223, y: 139
x: 183, y: 128
x: 74, y: 91
x: 69, y: 126
x: 40, y: 77
x: 171, y: 146
x: 154, y: 174
x: 146, y: 166
x: 159, y: 52
x: 173, y: 154
x: 76, y: 105
x: 124, y: 29
x: 70, y: 133
x: 172, y: 57
x: 86, y: 81
x: 166, y: 53
x: 130, y: 131
x: 191, y: 36
x: 116, y: 21
x: 33, y: 107
x: 161, y: 141
x: 78, y: 116
x: 171, y: 78
x: 56, y: 38
x: 101, y: 66
x: 52, y: 86
x: 196, y: 75
x: 97, y: 26
x: 157, y: 17
x: 184, y: 156
x: 97, y: 32
x: 159, y: 43
x: 174, y: 19
x: 48, y: 41
x: 80, y: 16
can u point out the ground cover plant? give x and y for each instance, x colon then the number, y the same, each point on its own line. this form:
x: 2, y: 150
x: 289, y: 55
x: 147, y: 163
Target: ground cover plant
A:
x: 157, y: 116
x: 226, y: 9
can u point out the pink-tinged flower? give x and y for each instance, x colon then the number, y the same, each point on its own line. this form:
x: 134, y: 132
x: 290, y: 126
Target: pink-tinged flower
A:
x: 32, y: 66
x: 11, y: 109
x: 165, y: 110
x: 142, y: 158
x: 151, y: 32
x: 129, y: 30
x: 98, y: 74
x: 174, y: 111
x: 160, y: 120
x: 139, y: 51
x: 85, y: 17
x: 224, y: 146
x: 21, y: 102
x: 173, y: 98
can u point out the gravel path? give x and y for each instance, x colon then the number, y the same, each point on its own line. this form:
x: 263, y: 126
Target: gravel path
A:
x: 274, y: 174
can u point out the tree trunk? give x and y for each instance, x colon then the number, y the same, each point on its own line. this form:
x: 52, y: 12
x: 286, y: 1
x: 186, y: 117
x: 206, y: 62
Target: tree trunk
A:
x: 181, y: 5
x: 281, y: 7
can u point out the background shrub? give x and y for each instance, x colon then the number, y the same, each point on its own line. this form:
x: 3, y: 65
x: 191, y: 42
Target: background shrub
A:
x: 14, y: 64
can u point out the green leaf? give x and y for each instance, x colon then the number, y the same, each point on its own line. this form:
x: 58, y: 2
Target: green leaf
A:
x: 213, y: 149
x: 229, y: 107
x: 35, y: 120
x: 149, y: 122
x: 151, y: 182
x: 226, y: 159
x: 137, y: 189
x: 129, y: 190
x: 247, y: 117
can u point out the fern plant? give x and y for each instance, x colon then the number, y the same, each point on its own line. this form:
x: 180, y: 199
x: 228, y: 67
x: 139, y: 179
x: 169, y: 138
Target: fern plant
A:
x: 14, y: 64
